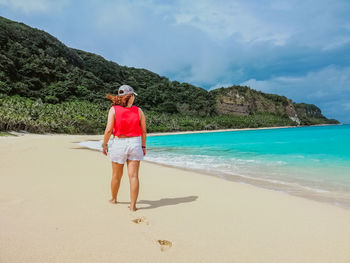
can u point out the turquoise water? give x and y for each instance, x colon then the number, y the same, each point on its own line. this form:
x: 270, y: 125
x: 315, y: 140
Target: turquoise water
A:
x: 312, y: 162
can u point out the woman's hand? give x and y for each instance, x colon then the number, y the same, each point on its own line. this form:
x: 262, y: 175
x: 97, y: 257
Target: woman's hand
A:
x: 144, y: 130
x: 104, y: 149
x: 108, y: 130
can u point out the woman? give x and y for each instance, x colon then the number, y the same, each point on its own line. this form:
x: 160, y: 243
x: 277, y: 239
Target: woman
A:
x: 128, y: 125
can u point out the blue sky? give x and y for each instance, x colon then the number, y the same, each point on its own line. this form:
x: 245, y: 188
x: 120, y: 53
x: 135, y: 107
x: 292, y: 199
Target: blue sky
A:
x: 296, y: 48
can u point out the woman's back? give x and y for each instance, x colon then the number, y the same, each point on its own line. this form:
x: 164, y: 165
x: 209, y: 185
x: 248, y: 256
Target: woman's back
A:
x: 127, y: 121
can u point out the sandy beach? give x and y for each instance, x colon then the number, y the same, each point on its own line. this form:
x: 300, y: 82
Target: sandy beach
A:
x: 54, y: 208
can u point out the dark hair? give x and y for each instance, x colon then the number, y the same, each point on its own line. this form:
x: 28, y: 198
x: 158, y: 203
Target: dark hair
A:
x: 119, y: 100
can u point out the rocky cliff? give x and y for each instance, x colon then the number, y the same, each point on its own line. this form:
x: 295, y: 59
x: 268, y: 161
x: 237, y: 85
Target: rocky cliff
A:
x: 241, y: 100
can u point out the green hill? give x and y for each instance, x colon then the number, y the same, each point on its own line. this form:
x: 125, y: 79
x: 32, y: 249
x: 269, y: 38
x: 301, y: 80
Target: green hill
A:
x: 46, y: 86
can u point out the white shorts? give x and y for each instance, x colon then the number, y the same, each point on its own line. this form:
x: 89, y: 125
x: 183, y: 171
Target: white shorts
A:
x: 123, y: 149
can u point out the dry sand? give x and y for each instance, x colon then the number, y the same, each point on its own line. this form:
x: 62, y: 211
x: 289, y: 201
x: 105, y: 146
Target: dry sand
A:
x: 54, y: 208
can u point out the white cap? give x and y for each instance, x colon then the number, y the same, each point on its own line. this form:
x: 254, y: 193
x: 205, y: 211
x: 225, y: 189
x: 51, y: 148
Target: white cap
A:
x: 125, y: 90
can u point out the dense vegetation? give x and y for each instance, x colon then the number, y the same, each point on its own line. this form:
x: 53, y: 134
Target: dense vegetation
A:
x: 18, y: 113
x: 46, y: 86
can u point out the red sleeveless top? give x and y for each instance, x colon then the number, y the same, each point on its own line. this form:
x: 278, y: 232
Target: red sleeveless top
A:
x: 127, y: 121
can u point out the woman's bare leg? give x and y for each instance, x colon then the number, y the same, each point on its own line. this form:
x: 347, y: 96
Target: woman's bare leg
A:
x: 117, y: 173
x: 133, y: 172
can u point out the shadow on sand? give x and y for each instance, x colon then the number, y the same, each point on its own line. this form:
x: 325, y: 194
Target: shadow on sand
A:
x: 164, y: 202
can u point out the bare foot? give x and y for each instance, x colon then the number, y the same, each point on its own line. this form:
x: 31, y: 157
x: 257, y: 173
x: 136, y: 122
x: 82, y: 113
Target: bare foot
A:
x: 113, y: 201
x: 133, y: 209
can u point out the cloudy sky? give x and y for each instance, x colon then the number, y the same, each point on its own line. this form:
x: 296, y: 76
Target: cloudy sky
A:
x: 296, y: 48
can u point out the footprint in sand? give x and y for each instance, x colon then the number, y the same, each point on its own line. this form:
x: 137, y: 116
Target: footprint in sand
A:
x: 165, y: 244
x: 140, y: 220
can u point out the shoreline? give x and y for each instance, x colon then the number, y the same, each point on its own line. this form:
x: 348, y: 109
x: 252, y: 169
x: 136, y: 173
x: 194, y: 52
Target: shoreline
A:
x: 315, y: 193
x: 312, y: 194
x: 282, y: 187
x: 256, y: 182
x: 297, y: 191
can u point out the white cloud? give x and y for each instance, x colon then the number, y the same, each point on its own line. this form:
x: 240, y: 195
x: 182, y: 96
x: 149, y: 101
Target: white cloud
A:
x: 276, y: 21
x: 36, y: 6
x: 220, y: 85
x: 119, y: 17
x: 217, y: 41
x: 226, y: 19
x: 321, y: 84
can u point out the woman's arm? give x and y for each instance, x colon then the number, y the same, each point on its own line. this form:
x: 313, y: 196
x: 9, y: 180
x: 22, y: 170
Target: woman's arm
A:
x: 144, y: 130
x: 108, y: 130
